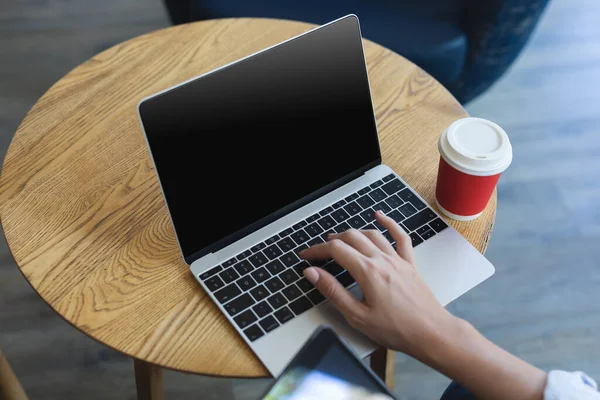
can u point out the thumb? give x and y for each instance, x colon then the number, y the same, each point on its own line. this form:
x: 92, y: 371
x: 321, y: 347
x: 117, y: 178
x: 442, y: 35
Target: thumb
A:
x: 335, y: 292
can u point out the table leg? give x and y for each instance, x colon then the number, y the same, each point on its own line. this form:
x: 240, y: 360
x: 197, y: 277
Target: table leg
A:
x: 148, y: 381
x: 382, y: 363
x: 9, y: 384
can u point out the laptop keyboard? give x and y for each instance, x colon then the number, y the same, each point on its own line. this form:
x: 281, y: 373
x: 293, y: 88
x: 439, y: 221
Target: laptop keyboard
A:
x: 264, y: 287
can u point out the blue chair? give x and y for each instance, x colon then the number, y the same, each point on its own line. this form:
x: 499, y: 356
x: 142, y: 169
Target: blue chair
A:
x: 465, y: 44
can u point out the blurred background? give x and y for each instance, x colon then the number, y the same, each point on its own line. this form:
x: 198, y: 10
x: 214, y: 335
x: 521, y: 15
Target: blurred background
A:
x: 542, y: 303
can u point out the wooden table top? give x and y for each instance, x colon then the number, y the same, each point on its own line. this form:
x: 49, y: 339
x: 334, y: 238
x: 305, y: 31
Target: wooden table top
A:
x: 81, y: 205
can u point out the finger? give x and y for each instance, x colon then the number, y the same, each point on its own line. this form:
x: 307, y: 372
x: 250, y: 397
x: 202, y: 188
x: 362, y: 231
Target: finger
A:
x: 329, y: 287
x: 345, y: 255
x: 357, y: 240
x: 380, y: 241
x: 403, y: 241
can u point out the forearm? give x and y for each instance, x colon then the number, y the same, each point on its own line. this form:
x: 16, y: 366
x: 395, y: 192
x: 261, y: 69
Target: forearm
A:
x: 461, y: 353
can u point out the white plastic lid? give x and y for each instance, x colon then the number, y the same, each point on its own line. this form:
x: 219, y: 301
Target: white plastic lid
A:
x: 476, y: 146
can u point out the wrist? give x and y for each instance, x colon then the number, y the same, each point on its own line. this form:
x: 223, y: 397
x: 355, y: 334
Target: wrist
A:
x: 449, y: 335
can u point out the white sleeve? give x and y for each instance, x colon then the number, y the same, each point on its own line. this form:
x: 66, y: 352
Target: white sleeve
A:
x: 562, y: 385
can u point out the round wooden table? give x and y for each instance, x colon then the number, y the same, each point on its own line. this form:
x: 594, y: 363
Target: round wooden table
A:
x: 86, y: 223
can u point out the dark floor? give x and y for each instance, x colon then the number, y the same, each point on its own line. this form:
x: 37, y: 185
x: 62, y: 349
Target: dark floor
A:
x: 542, y: 304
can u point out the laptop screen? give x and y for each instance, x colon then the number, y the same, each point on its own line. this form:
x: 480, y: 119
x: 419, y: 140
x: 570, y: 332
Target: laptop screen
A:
x: 236, y: 147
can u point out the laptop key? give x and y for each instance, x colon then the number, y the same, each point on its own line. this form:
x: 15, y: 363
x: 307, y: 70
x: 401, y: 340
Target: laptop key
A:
x: 261, y: 309
x: 345, y: 279
x: 333, y: 268
x: 419, y: 219
x: 423, y: 229
x: 356, y: 222
x: 382, y: 206
x: 427, y: 234
x: 239, y: 304
x: 393, y: 186
x: 227, y: 293
x: 286, y: 244
x: 300, y: 248
x: 245, y: 319
x: 388, y: 178
x: 254, y: 332
x: 269, y: 323
x: 315, y: 297
x: 407, y: 209
x: 365, y: 201
x: 353, y: 196
x: 313, y: 229
x: 260, y: 293
x: 210, y: 272
x: 277, y: 300
x: 376, y: 184
x: 258, y: 259
x: 417, y: 203
x: 291, y: 292
x: 272, y: 239
x: 394, y: 201
x: 288, y: 276
x: 315, y: 241
x: 327, y: 222
x: 326, y: 211
x: 258, y: 247
x: 273, y: 251
x: 229, y: 275
x: 299, y: 225
x: 364, y: 190
x: 343, y: 227
x: 406, y: 195
x: 275, y: 267
x: 369, y: 227
x: 416, y: 239
x: 438, y: 225
x: 214, y: 283
x: 243, y: 267
x: 244, y: 255
x: 352, y: 208
x: 379, y: 227
x: 299, y: 268
x: 289, y: 259
x: 338, y: 204
x: 300, y: 237
x: 368, y: 215
x: 305, y: 285
x: 274, y: 284
x: 313, y: 218
x: 301, y: 305
x: 260, y: 275
x: 229, y: 262
x: 326, y: 234
x: 283, y: 315
x: 340, y: 216
x: 396, y: 216
x: 378, y: 195
x: 246, y: 283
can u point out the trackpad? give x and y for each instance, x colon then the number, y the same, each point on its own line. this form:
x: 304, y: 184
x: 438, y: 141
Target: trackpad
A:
x: 361, y: 344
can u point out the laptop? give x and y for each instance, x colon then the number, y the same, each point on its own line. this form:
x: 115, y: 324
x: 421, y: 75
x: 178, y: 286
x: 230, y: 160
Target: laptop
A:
x: 265, y: 156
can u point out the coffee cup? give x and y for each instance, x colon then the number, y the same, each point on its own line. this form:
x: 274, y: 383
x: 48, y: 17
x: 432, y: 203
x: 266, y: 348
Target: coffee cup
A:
x: 473, y: 154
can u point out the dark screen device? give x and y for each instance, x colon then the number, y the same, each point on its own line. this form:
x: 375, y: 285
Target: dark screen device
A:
x: 244, y: 145
x: 326, y: 368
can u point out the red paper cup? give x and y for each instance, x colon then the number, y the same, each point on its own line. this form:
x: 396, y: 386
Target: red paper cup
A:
x: 473, y: 154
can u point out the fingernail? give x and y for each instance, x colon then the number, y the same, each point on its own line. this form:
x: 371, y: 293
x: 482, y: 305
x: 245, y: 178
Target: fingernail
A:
x: 330, y: 235
x: 311, y: 274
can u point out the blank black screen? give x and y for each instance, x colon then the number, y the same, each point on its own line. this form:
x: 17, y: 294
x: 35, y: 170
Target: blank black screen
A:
x: 241, y: 143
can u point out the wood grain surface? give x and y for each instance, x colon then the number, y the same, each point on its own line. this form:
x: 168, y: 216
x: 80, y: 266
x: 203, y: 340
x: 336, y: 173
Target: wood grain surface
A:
x: 81, y: 206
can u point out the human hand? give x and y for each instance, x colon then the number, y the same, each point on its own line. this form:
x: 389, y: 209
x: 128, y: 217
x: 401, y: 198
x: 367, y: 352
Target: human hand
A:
x: 399, y: 311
